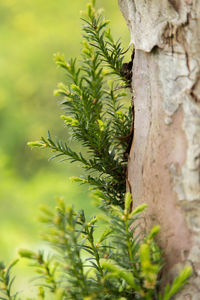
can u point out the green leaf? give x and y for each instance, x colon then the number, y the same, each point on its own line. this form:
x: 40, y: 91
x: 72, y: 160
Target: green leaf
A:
x: 138, y: 210
x: 177, y: 284
x: 119, y: 272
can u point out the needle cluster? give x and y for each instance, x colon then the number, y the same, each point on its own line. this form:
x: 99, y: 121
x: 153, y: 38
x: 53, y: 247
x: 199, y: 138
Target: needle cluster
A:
x: 120, y: 263
x: 95, y: 112
x: 117, y: 264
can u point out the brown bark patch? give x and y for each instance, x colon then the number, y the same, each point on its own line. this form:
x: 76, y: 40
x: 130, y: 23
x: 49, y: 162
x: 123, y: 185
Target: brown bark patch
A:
x: 195, y: 90
x: 175, y: 4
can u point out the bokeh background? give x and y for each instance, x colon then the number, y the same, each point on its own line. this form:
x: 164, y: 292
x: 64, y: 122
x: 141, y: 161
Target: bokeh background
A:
x: 30, y: 33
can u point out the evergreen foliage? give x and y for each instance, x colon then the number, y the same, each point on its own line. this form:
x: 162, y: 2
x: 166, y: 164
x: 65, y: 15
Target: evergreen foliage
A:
x: 6, y: 282
x: 121, y: 263
x: 94, y: 112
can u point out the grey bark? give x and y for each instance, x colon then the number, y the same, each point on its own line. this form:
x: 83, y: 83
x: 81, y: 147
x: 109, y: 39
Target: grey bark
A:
x: 164, y: 162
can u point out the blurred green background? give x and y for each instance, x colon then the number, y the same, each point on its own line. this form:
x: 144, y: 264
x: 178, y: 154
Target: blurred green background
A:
x: 30, y: 32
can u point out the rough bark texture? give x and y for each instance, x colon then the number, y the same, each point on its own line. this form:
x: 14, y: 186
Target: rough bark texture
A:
x: 164, y: 162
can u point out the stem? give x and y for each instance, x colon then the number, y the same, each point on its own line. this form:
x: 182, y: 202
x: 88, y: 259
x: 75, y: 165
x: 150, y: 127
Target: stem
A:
x: 91, y: 240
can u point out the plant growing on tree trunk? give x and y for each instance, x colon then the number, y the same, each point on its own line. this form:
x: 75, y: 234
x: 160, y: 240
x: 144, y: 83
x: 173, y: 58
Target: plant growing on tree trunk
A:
x: 95, y: 113
x: 121, y: 263
x: 117, y: 265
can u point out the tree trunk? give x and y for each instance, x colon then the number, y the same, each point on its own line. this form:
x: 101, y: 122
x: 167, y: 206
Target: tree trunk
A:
x: 164, y: 162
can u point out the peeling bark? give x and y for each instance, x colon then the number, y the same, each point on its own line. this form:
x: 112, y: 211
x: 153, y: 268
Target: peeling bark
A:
x: 164, y: 162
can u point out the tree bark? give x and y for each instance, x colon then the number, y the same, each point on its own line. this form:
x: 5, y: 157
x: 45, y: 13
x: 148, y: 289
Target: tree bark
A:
x: 164, y: 161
